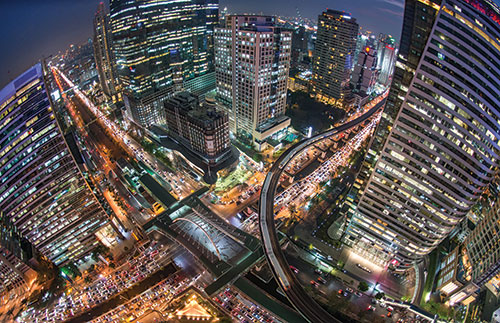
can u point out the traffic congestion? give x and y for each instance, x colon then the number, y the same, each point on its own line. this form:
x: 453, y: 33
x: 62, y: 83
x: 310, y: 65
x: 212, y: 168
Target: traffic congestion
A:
x: 82, y: 297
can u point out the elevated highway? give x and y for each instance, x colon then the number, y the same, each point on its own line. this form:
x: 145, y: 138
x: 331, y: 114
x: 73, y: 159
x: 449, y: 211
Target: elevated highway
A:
x: 288, y: 282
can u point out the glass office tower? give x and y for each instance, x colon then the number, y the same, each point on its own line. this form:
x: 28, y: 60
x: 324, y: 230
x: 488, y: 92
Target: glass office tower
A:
x: 158, y: 45
x: 436, y: 148
x: 103, y: 53
x: 42, y: 192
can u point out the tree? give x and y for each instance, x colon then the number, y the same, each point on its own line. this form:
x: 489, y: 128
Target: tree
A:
x: 257, y: 157
x: 363, y: 286
x: 379, y: 295
x: 71, y: 270
x: 100, y: 250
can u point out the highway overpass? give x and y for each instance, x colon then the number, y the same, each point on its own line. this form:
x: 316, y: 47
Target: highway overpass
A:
x: 303, y: 303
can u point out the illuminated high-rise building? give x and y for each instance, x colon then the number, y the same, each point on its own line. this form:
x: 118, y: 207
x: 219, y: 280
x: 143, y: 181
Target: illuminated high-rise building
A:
x: 436, y: 147
x: 43, y: 194
x: 334, y: 55
x: 103, y: 53
x: 299, y: 45
x: 252, y: 61
x: 15, y: 252
x: 386, y: 58
x: 159, y: 45
x: 364, y: 76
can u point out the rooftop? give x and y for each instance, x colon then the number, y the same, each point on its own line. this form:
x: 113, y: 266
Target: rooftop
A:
x: 10, y: 89
x: 193, y: 310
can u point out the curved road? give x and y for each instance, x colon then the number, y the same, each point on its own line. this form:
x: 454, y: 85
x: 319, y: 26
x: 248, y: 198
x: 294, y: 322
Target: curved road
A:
x: 302, y: 302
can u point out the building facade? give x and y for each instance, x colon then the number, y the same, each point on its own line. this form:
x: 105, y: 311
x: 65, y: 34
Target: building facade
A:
x: 475, y: 263
x: 478, y: 263
x: 334, y: 55
x: 436, y: 147
x: 15, y: 252
x: 103, y: 53
x: 158, y: 45
x: 200, y: 128
x: 299, y: 45
x: 42, y: 191
x: 252, y: 61
x: 386, y: 58
x: 364, y: 76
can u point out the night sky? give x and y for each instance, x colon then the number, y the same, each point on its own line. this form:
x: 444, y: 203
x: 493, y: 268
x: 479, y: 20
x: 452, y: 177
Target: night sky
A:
x: 32, y: 29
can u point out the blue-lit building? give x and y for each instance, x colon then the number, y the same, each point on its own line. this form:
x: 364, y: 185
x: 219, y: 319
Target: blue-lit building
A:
x: 43, y: 194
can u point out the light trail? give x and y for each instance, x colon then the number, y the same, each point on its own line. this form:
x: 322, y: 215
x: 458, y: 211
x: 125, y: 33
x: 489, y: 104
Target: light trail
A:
x: 126, y: 141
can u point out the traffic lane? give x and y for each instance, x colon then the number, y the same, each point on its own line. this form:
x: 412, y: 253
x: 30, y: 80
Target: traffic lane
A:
x: 307, y: 274
x: 297, y: 297
x: 295, y: 293
x: 96, y: 131
x: 105, y: 285
x: 334, y: 284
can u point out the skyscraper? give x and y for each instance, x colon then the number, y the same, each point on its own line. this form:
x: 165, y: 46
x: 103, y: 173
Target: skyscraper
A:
x: 299, y: 45
x: 103, y: 53
x: 475, y: 263
x: 158, y: 45
x: 386, y: 57
x: 43, y: 193
x: 364, y: 76
x: 15, y: 252
x: 436, y: 148
x: 334, y: 55
x: 252, y: 60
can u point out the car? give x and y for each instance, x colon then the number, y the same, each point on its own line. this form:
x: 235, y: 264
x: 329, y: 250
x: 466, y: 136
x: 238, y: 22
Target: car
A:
x: 314, y: 283
x: 371, y: 308
x: 318, y: 271
x: 350, y: 290
x: 390, y: 308
x: 321, y: 280
x: 295, y: 270
x: 359, y: 294
x: 389, y: 314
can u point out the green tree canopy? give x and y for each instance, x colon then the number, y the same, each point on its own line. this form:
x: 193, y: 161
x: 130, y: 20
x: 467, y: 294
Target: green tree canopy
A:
x: 363, y: 286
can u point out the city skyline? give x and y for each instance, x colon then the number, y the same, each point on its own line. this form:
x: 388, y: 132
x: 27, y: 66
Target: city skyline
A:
x: 197, y: 160
x: 71, y: 23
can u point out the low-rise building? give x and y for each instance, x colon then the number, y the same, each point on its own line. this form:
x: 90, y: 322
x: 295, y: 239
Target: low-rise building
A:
x: 199, y: 132
x: 201, y: 128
